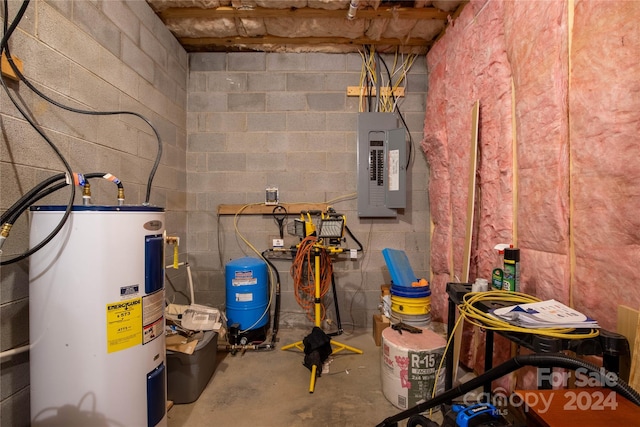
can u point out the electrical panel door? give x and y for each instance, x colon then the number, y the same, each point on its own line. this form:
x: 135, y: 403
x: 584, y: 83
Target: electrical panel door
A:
x: 381, y: 165
x: 395, y: 169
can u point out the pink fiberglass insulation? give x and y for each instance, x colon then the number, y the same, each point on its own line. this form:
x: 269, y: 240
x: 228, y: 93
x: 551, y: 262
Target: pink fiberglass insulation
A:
x: 569, y: 102
x: 604, y: 105
x: 536, y: 34
x: 469, y: 63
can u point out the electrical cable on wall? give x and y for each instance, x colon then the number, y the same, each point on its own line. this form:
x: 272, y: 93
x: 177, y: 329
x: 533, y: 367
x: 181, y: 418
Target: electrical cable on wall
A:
x: 386, y: 101
x: 94, y: 113
x: 8, y: 31
x: 40, y: 190
x: 394, y: 106
x: 272, y: 280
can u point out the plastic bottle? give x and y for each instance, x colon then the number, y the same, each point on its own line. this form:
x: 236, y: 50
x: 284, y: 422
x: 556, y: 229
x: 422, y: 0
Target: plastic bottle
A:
x: 496, y: 278
x: 511, y: 278
x: 497, y: 275
x: 480, y: 285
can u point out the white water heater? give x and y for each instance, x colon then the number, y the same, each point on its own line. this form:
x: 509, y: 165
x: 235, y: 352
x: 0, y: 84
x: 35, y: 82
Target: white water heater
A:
x: 96, y: 317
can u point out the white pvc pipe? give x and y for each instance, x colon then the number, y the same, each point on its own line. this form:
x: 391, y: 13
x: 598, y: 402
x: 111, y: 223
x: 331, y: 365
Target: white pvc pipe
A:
x: 191, y: 294
x: 14, y: 351
x: 190, y: 284
x: 353, y: 9
x: 171, y: 265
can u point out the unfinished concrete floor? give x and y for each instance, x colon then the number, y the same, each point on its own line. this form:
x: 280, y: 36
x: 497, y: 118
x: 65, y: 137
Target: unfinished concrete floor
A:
x: 271, y: 388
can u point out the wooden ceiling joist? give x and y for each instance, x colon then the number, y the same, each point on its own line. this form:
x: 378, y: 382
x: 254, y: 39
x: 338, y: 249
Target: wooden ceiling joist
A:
x: 302, y: 13
x: 201, y: 29
x: 194, y: 43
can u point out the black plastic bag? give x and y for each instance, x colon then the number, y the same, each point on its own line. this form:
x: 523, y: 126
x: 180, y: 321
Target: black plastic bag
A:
x: 317, y: 348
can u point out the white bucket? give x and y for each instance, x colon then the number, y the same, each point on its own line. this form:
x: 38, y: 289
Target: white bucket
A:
x: 409, y: 366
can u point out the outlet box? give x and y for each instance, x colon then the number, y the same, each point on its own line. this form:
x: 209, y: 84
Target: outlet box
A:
x: 272, y: 197
x: 276, y: 241
x: 7, y: 71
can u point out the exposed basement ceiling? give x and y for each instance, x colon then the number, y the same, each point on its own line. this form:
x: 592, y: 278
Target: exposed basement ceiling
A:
x: 306, y: 25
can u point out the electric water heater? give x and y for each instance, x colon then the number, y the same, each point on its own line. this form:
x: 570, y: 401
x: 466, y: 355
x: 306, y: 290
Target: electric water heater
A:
x: 96, y: 317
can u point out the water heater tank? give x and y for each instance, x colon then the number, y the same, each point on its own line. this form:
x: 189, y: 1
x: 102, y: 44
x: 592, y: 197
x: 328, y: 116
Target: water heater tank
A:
x: 96, y: 317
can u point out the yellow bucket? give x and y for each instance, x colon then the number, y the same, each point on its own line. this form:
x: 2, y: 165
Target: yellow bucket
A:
x: 411, y: 305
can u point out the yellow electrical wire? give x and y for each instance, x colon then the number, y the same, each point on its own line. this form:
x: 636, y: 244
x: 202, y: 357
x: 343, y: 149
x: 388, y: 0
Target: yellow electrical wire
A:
x: 483, y: 320
x: 386, y: 101
x: 253, y: 248
x: 342, y: 198
x: 479, y: 318
x: 446, y: 348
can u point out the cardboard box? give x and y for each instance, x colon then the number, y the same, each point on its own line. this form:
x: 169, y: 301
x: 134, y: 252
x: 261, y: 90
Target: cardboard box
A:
x: 380, y: 322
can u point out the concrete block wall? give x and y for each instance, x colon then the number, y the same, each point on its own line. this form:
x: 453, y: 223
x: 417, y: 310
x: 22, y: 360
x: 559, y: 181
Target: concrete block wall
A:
x: 107, y: 56
x: 284, y: 119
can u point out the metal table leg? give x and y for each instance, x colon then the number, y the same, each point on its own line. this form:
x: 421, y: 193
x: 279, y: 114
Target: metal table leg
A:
x: 488, y: 361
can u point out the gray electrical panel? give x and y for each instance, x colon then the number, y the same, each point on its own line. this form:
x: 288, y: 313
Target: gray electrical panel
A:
x: 381, y: 165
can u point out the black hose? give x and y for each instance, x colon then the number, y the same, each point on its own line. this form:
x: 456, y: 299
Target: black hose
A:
x: 4, y: 47
x: 540, y: 360
x: 37, y: 193
x: 118, y: 183
x: 11, y: 215
x: 276, y: 314
x: 35, y: 198
x: 25, y: 200
x: 8, y: 30
x: 354, y: 238
x: 156, y: 163
x: 420, y: 421
x: 335, y: 303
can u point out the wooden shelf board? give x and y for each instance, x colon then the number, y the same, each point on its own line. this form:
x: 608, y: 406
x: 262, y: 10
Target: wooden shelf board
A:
x: 292, y: 208
x: 358, y: 90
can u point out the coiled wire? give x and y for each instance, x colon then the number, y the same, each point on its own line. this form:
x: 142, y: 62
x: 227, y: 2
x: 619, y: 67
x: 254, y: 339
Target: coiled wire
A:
x: 474, y: 315
x: 303, y: 274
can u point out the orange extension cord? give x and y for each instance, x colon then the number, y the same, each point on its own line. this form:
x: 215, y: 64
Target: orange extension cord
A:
x: 303, y: 273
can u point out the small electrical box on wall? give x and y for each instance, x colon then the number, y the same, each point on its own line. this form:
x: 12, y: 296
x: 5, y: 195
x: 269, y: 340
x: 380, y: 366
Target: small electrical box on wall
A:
x: 382, y: 168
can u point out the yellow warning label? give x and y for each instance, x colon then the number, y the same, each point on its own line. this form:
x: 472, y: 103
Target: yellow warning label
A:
x: 124, y: 324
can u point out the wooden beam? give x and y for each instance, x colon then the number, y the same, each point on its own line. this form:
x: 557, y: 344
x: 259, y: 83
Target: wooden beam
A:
x: 261, y: 209
x: 471, y: 194
x: 451, y: 18
x: 634, y: 374
x: 262, y: 40
x: 301, y: 13
x: 361, y: 90
x: 628, y: 325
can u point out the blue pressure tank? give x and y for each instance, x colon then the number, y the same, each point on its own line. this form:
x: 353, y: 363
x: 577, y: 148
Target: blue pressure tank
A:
x: 247, y: 293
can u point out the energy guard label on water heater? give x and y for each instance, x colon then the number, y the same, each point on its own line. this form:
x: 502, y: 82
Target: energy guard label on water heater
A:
x: 124, y: 324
